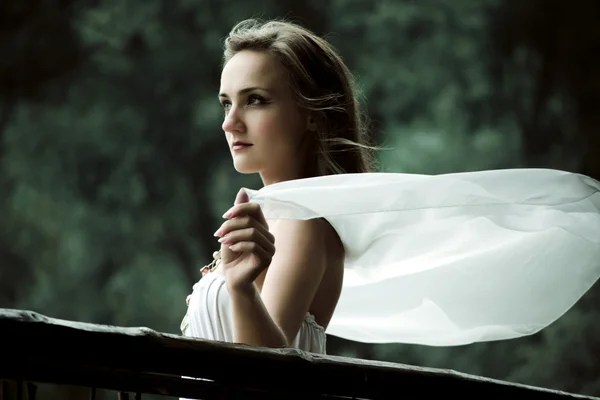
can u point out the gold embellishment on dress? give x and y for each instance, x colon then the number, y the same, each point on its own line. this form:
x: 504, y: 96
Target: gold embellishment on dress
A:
x: 213, y: 265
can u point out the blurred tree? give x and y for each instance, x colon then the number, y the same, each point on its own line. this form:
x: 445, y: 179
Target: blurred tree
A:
x: 554, y: 49
x: 114, y: 170
x: 424, y: 69
x: 39, y: 53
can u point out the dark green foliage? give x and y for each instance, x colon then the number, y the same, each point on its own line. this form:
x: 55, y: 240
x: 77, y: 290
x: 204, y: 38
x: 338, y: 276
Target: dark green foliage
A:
x: 114, y: 171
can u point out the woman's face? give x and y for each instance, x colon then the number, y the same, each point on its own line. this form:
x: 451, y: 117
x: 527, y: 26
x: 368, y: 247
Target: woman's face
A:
x: 261, y: 115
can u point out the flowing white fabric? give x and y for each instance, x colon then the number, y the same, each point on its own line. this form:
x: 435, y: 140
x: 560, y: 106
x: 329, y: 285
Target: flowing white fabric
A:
x: 456, y: 258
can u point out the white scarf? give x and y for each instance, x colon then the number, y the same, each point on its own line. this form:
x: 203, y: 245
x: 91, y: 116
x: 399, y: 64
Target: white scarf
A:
x: 456, y: 258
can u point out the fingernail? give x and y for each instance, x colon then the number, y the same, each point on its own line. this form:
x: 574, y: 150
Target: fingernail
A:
x: 217, y: 233
x: 227, y: 214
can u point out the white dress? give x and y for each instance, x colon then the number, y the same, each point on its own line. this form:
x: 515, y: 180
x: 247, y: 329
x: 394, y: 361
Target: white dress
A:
x: 209, y: 317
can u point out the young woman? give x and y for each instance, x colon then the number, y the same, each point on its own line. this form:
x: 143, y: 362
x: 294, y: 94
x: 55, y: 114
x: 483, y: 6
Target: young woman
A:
x: 327, y: 244
x: 290, y: 112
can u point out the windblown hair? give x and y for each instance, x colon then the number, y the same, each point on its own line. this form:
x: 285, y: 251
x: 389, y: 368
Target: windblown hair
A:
x: 322, y: 85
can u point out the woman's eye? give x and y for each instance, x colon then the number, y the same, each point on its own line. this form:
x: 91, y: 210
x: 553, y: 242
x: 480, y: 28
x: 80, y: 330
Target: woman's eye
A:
x: 255, y: 100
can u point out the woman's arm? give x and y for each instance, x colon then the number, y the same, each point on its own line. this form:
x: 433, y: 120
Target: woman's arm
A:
x: 273, y: 317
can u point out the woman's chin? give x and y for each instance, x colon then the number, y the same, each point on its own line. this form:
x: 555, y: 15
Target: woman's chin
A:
x: 245, y: 168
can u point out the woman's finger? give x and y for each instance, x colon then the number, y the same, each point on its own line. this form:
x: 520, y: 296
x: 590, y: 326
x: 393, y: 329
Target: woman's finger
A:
x: 246, y: 221
x: 251, y: 209
x: 252, y: 247
x: 265, y: 240
x: 241, y: 223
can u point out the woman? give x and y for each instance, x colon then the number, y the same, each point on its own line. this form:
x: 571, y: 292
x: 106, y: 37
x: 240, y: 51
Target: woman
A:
x: 290, y: 113
x: 436, y: 260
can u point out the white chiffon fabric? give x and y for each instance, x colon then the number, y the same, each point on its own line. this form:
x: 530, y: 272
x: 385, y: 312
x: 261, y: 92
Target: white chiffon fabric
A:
x: 456, y: 258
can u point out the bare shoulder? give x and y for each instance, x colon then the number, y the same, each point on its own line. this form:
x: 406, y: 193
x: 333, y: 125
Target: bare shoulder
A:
x: 317, y: 232
x: 305, y: 274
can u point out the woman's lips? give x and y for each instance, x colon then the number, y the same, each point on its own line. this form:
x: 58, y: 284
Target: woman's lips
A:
x: 240, y: 146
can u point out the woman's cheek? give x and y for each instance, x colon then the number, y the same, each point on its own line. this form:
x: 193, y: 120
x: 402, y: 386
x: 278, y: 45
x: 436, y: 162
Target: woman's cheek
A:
x: 270, y: 127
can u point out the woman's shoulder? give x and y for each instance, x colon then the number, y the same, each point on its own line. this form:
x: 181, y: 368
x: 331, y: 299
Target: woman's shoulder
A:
x: 316, y: 231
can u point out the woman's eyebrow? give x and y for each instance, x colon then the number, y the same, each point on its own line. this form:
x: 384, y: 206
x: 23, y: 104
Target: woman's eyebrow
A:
x: 245, y: 90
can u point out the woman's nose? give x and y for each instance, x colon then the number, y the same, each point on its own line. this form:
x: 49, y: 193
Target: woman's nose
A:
x: 233, y: 121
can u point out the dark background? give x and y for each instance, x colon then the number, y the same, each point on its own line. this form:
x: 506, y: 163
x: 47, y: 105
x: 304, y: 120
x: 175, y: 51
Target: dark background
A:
x: 114, y: 170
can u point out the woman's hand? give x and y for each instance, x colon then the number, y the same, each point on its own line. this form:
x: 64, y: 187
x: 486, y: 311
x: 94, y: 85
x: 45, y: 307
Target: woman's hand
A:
x: 247, y: 246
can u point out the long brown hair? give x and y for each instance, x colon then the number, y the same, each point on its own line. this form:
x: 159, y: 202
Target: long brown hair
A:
x: 322, y: 84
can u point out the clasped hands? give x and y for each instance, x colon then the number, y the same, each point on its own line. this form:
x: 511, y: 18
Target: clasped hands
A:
x: 247, y: 246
